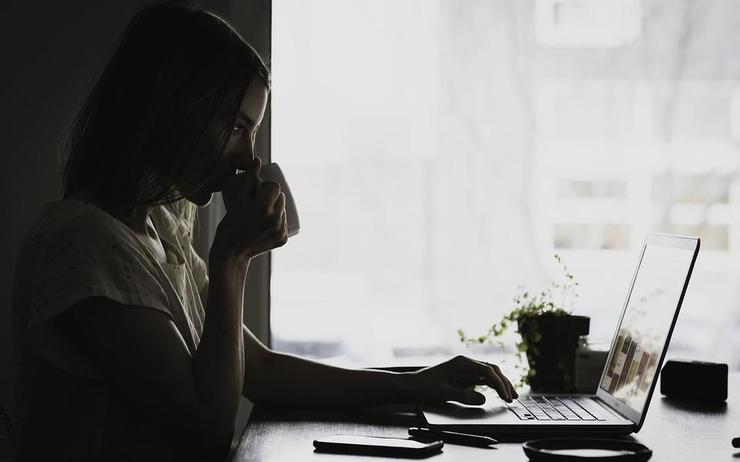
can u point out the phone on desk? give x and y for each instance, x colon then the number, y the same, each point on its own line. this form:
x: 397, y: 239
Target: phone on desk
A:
x: 377, y: 446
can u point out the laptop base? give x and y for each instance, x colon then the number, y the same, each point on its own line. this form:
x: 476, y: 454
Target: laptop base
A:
x: 497, y: 418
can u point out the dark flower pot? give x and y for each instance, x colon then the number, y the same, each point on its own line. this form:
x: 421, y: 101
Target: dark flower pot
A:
x: 551, y: 341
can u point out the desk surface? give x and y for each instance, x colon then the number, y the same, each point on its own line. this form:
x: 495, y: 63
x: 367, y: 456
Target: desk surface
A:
x: 673, y: 431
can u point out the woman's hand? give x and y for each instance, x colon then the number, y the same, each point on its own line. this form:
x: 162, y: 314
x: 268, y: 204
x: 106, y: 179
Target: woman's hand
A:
x: 454, y: 381
x: 255, y: 215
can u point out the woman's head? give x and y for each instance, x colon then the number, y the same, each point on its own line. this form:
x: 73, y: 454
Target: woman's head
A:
x: 157, y: 122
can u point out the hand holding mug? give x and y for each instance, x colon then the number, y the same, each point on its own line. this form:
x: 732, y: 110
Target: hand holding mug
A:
x: 255, y: 220
x: 272, y: 172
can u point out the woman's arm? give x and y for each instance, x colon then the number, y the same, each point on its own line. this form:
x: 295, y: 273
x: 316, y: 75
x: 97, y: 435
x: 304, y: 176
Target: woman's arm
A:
x: 221, y: 348
x: 146, y: 357
x: 277, y: 378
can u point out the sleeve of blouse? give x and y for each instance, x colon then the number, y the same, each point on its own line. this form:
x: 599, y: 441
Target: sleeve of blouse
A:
x: 75, y: 264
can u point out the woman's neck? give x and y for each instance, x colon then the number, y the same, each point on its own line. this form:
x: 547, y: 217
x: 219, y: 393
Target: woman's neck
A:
x: 135, y: 220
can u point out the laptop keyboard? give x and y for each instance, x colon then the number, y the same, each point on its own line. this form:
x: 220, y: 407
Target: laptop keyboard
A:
x: 552, y: 408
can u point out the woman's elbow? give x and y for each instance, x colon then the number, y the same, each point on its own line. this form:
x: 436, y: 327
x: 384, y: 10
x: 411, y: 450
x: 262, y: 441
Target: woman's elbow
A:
x: 212, y: 445
x: 254, y: 392
x: 258, y: 370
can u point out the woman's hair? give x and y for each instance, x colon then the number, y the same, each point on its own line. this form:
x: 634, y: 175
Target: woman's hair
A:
x: 158, y: 119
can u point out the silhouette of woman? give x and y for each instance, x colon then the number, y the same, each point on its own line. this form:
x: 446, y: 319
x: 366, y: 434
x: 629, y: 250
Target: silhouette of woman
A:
x: 127, y: 347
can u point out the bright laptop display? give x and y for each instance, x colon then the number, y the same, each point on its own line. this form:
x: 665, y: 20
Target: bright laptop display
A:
x: 646, y: 322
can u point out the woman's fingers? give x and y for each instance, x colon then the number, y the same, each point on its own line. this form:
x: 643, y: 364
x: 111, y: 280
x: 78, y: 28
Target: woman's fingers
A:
x: 514, y: 394
x: 269, y: 192
x: 454, y: 380
x: 274, y: 235
x: 505, y: 379
x: 464, y: 395
x: 279, y: 205
x: 255, y: 221
x: 488, y: 375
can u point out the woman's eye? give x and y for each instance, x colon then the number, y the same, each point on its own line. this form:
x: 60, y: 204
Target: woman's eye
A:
x: 237, y: 129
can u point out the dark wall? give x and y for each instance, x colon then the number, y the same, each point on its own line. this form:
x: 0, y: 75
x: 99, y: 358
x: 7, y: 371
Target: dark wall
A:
x: 50, y: 54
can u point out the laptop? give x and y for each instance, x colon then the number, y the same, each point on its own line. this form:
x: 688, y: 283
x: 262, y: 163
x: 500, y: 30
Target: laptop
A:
x: 628, y: 380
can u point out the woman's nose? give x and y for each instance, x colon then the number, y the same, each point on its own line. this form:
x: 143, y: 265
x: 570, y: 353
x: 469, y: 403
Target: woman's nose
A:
x: 247, y: 154
x: 253, y: 148
x: 244, y: 156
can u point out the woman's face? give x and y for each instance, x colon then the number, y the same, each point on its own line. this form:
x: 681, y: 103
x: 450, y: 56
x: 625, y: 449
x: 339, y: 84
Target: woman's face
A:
x: 240, y: 147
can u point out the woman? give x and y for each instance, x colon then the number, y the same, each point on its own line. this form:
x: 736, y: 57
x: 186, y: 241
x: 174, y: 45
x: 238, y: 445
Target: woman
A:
x: 127, y: 347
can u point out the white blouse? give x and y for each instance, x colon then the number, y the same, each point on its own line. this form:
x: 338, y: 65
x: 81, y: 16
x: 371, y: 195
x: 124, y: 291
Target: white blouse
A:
x: 68, y: 409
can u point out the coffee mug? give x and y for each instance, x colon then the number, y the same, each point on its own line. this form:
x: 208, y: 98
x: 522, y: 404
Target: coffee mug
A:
x: 272, y: 172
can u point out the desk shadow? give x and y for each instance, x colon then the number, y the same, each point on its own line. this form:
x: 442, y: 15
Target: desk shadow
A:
x: 461, y: 411
x: 405, y: 415
x: 395, y: 415
x: 539, y: 436
x: 695, y: 406
x: 380, y: 453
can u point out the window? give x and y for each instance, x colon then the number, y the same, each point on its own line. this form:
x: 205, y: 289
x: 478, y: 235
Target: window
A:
x: 441, y: 152
x: 587, y: 23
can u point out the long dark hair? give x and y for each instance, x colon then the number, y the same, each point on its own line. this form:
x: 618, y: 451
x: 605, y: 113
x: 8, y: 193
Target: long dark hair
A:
x: 157, y: 121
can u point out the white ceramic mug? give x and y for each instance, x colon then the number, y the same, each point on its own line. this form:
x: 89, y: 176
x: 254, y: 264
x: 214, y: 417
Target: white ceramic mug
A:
x: 272, y: 172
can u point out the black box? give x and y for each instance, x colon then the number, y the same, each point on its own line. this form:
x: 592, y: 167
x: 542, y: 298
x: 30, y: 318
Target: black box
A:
x: 694, y: 380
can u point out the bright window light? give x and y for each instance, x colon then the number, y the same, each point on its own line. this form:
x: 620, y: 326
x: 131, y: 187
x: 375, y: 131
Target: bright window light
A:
x: 587, y: 23
x: 440, y: 155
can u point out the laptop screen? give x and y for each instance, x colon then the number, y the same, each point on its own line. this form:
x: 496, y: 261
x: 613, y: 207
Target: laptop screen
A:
x: 646, y: 323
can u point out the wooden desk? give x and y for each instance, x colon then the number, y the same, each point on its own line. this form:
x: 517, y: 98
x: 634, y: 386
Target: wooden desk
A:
x: 673, y: 431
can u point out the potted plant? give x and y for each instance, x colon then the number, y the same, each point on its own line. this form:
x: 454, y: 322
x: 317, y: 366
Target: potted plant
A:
x: 548, y: 335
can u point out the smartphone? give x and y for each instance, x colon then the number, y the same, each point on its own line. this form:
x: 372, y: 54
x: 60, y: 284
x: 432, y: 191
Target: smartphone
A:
x: 377, y: 446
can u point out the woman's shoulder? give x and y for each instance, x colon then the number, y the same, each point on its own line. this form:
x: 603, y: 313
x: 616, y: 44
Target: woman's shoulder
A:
x: 75, y: 247
x: 73, y: 223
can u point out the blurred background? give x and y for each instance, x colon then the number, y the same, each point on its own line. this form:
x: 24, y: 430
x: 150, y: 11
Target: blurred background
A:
x: 441, y: 151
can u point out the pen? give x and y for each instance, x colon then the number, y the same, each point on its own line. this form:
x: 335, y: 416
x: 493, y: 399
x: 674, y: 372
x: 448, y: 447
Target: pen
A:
x: 464, y: 439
